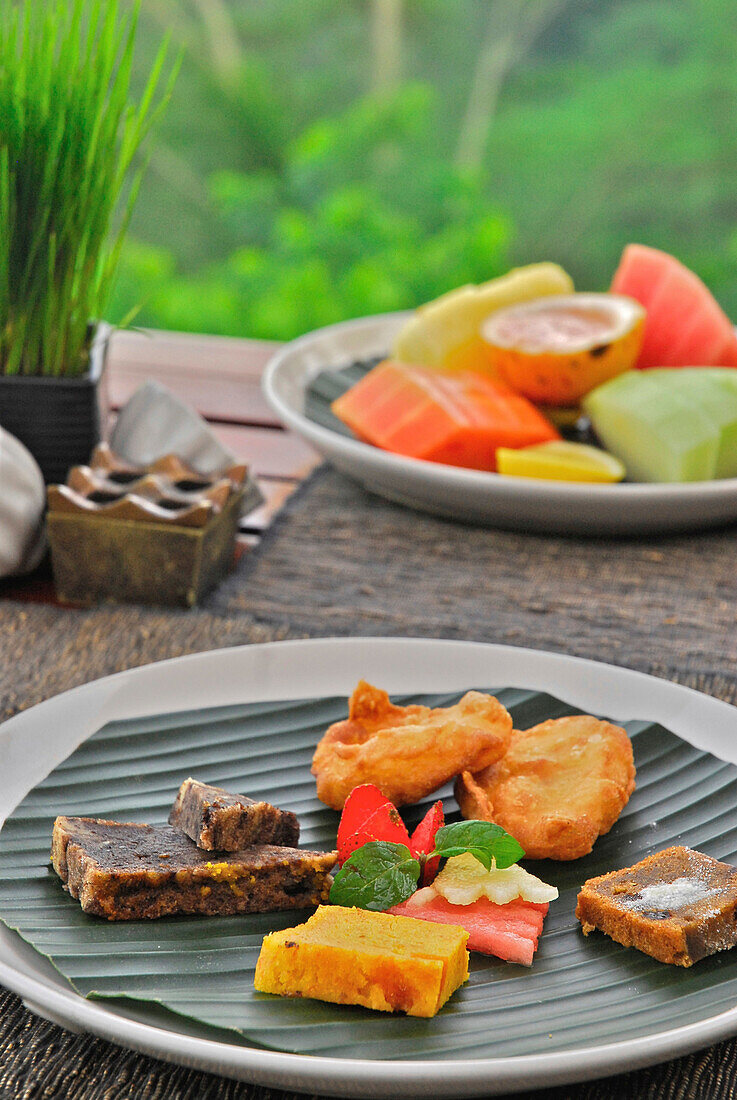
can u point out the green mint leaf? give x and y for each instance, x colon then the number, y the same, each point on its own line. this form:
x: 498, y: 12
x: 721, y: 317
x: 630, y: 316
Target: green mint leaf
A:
x: 377, y: 876
x: 482, y: 839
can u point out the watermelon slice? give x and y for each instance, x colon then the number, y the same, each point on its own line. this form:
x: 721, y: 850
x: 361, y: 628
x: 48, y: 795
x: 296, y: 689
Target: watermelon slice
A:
x: 685, y: 327
x: 509, y: 932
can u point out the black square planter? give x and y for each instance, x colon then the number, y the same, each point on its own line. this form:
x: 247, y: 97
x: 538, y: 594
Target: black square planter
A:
x: 58, y: 419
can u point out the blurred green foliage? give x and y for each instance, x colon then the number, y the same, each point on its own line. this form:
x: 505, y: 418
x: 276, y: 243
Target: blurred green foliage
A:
x: 316, y: 165
x: 358, y: 219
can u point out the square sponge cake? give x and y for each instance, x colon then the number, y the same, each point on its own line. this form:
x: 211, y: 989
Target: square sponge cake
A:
x: 359, y: 957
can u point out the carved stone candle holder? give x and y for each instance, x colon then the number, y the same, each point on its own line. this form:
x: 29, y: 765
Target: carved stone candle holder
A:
x: 159, y: 534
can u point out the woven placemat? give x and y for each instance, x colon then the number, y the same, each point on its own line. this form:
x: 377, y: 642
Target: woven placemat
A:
x: 342, y: 561
x: 339, y: 561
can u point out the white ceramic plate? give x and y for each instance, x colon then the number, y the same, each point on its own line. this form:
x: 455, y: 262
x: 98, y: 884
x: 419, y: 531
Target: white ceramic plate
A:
x: 35, y: 741
x: 520, y: 504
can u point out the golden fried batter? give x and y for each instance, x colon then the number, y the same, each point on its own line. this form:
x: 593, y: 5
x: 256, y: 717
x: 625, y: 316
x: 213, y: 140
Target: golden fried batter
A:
x: 407, y: 751
x: 560, y: 785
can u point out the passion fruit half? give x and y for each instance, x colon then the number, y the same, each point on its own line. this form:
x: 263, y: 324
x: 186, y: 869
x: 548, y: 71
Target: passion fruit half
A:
x: 555, y: 350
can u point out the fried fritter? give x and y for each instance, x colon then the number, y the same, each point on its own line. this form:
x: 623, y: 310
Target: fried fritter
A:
x: 560, y: 785
x: 407, y: 751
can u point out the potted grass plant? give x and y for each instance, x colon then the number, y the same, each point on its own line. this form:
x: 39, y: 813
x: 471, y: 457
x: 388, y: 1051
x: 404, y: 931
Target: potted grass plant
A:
x: 69, y: 134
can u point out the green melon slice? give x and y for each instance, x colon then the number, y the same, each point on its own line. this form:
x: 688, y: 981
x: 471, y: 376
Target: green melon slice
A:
x: 669, y: 425
x: 714, y: 391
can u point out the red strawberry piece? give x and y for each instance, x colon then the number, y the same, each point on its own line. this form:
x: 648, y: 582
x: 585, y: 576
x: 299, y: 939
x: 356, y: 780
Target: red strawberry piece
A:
x: 385, y: 824
x: 360, y: 804
x: 368, y: 815
x: 422, y: 841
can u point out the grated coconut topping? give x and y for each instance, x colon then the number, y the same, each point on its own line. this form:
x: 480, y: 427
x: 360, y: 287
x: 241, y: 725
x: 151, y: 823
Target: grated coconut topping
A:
x: 670, y: 895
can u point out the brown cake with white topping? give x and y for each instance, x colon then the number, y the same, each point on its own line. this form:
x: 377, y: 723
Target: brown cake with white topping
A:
x: 678, y: 906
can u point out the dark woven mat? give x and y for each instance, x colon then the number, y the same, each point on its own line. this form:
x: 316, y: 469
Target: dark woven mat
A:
x: 339, y: 561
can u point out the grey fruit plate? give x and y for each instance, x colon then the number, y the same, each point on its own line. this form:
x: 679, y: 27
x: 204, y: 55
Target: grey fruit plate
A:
x: 473, y: 496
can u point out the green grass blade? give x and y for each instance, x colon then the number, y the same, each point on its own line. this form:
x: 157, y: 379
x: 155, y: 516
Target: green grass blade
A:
x: 68, y: 135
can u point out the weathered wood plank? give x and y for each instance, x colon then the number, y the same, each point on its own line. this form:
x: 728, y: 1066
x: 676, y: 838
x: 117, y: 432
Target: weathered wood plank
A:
x: 269, y: 452
x: 220, y: 377
x: 217, y: 375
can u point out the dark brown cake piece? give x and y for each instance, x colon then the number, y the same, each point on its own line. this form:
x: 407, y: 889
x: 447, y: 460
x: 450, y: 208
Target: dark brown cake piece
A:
x: 219, y: 821
x: 678, y: 906
x: 129, y: 872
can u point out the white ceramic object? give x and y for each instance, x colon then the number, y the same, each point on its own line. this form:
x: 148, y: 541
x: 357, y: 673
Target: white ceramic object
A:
x: 22, y: 504
x: 520, y: 504
x: 154, y: 422
x: 302, y: 669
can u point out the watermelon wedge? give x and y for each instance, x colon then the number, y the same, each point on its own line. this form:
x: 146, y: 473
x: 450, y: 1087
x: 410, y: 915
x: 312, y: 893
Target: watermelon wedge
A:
x: 685, y: 326
x: 509, y: 932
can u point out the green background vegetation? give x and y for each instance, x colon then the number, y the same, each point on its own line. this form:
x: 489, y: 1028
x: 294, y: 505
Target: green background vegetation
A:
x: 323, y: 159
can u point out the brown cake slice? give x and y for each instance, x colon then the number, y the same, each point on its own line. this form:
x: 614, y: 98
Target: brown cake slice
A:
x: 219, y: 821
x: 678, y: 906
x: 129, y: 872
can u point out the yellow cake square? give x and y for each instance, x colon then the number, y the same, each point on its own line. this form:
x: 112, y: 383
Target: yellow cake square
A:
x: 358, y: 957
